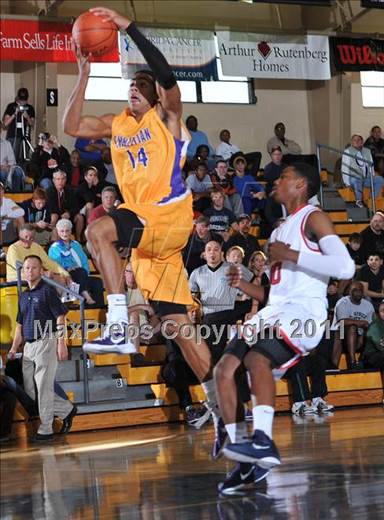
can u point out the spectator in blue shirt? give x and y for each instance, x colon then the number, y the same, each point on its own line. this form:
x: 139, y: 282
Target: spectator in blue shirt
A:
x: 70, y: 255
x: 197, y: 137
x: 90, y: 150
x: 251, y: 192
x: 40, y: 326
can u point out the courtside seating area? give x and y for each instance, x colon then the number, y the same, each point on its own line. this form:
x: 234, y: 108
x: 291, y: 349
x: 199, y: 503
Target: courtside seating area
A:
x: 346, y: 388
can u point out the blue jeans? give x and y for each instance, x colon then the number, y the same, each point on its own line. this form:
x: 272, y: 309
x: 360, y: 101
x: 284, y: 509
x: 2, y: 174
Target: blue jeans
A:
x: 359, y: 184
x: 17, y: 178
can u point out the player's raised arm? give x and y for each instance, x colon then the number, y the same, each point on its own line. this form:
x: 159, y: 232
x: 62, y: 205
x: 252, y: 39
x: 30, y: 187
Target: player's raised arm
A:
x: 74, y: 123
x: 169, y: 93
x: 334, y: 259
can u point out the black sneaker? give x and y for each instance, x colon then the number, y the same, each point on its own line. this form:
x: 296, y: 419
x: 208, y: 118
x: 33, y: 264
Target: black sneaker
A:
x: 67, y: 421
x: 261, y: 450
x: 43, y: 437
x: 197, y: 416
x: 243, y: 476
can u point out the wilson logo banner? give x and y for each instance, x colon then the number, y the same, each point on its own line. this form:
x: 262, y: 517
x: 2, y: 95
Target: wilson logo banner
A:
x: 356, y: 54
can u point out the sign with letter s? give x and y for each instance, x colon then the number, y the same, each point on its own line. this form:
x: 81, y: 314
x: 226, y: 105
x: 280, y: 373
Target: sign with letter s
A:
x: 52, y: 97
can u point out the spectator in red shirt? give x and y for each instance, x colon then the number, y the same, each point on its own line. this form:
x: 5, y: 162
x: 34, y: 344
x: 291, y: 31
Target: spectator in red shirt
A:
x: 76, y: 171
x: 108, y: 202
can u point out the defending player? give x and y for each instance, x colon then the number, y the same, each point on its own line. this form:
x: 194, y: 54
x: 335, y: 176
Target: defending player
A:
x: 304, y: 252
x: 148, y: 145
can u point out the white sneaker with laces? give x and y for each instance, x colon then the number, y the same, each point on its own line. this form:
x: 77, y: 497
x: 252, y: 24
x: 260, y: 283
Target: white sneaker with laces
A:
x: 321, y: 405
x: 114, y: 340
x: 302, y: 408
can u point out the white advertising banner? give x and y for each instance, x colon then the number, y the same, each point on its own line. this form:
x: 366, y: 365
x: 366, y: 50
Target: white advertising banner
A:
x: 191, y: 53
x: 280, y: 57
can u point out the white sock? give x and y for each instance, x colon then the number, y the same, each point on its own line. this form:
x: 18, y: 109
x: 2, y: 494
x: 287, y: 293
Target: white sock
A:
x: 316, y: 400
x: 210, y: 393
x: 117, y: 308
x: 241, y: 432
x: 231, y: 430
x: 263, y: 419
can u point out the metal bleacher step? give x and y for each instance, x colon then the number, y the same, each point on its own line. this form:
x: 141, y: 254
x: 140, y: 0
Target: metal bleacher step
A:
x: 356, y: 214
x: 103, y: 406
x: 105, y: 388
x: 332, y: 201
x: 68, y: 371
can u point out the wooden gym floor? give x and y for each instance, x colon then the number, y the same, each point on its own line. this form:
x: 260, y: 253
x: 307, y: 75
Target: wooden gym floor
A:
x: 333, y: 468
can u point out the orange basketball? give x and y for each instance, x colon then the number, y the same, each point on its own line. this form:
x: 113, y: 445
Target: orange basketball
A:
x: 93, y: 35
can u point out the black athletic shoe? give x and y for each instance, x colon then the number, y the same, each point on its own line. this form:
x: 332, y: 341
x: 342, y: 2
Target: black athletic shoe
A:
x: 67, y: 422
x: 260, y: 450
x: 43, y: 437
x: 197, y: 416
x: 243, y: 476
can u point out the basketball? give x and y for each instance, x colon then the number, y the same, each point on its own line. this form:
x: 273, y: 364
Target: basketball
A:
x: 93, y: 35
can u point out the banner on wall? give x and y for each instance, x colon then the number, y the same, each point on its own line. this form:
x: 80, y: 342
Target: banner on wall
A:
x: 377, y: 4
x: 355, y: 54
x: 191, y: 53
x: 272, y: 56
x: 32, y: 40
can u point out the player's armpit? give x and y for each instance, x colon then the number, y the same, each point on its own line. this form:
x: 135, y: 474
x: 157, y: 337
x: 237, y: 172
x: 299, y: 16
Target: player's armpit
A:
x: 319, y: 224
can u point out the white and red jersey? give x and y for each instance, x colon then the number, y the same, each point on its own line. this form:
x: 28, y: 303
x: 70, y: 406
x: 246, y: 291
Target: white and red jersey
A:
x: 289, y: 282
x: 297, y: 303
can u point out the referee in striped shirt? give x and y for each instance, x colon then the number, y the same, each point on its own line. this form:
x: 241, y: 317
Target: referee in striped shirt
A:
x: 209, y: 284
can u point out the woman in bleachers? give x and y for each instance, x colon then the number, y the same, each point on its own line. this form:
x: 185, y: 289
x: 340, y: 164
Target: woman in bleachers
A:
x: 258, y: 265
x: 201, y: 155
x: 373, y: 356
x: 71, y: 256
x: 89, y: 191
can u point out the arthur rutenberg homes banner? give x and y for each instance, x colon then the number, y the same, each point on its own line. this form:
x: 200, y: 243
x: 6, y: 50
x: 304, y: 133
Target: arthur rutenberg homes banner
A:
x: 274, y: 56
x: 191, y: 53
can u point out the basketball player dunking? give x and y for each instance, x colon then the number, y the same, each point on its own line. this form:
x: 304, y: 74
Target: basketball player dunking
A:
x: 148, y: 146
x: 304, y: 252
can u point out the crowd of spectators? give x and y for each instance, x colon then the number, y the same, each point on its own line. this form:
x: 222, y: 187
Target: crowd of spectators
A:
x: 73, y: 189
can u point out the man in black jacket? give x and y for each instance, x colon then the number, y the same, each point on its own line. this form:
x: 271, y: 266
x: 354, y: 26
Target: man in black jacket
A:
x: 243, y: 238
x: 49, y: 156
x: 373, y: 236
x: 62, y: 202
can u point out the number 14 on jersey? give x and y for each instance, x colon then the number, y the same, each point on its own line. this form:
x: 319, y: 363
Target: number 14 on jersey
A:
x: 140, y: 158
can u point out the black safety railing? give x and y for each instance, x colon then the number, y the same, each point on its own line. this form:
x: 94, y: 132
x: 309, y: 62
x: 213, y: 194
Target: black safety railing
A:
x: 81, y: 299
x: 369, y: 163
